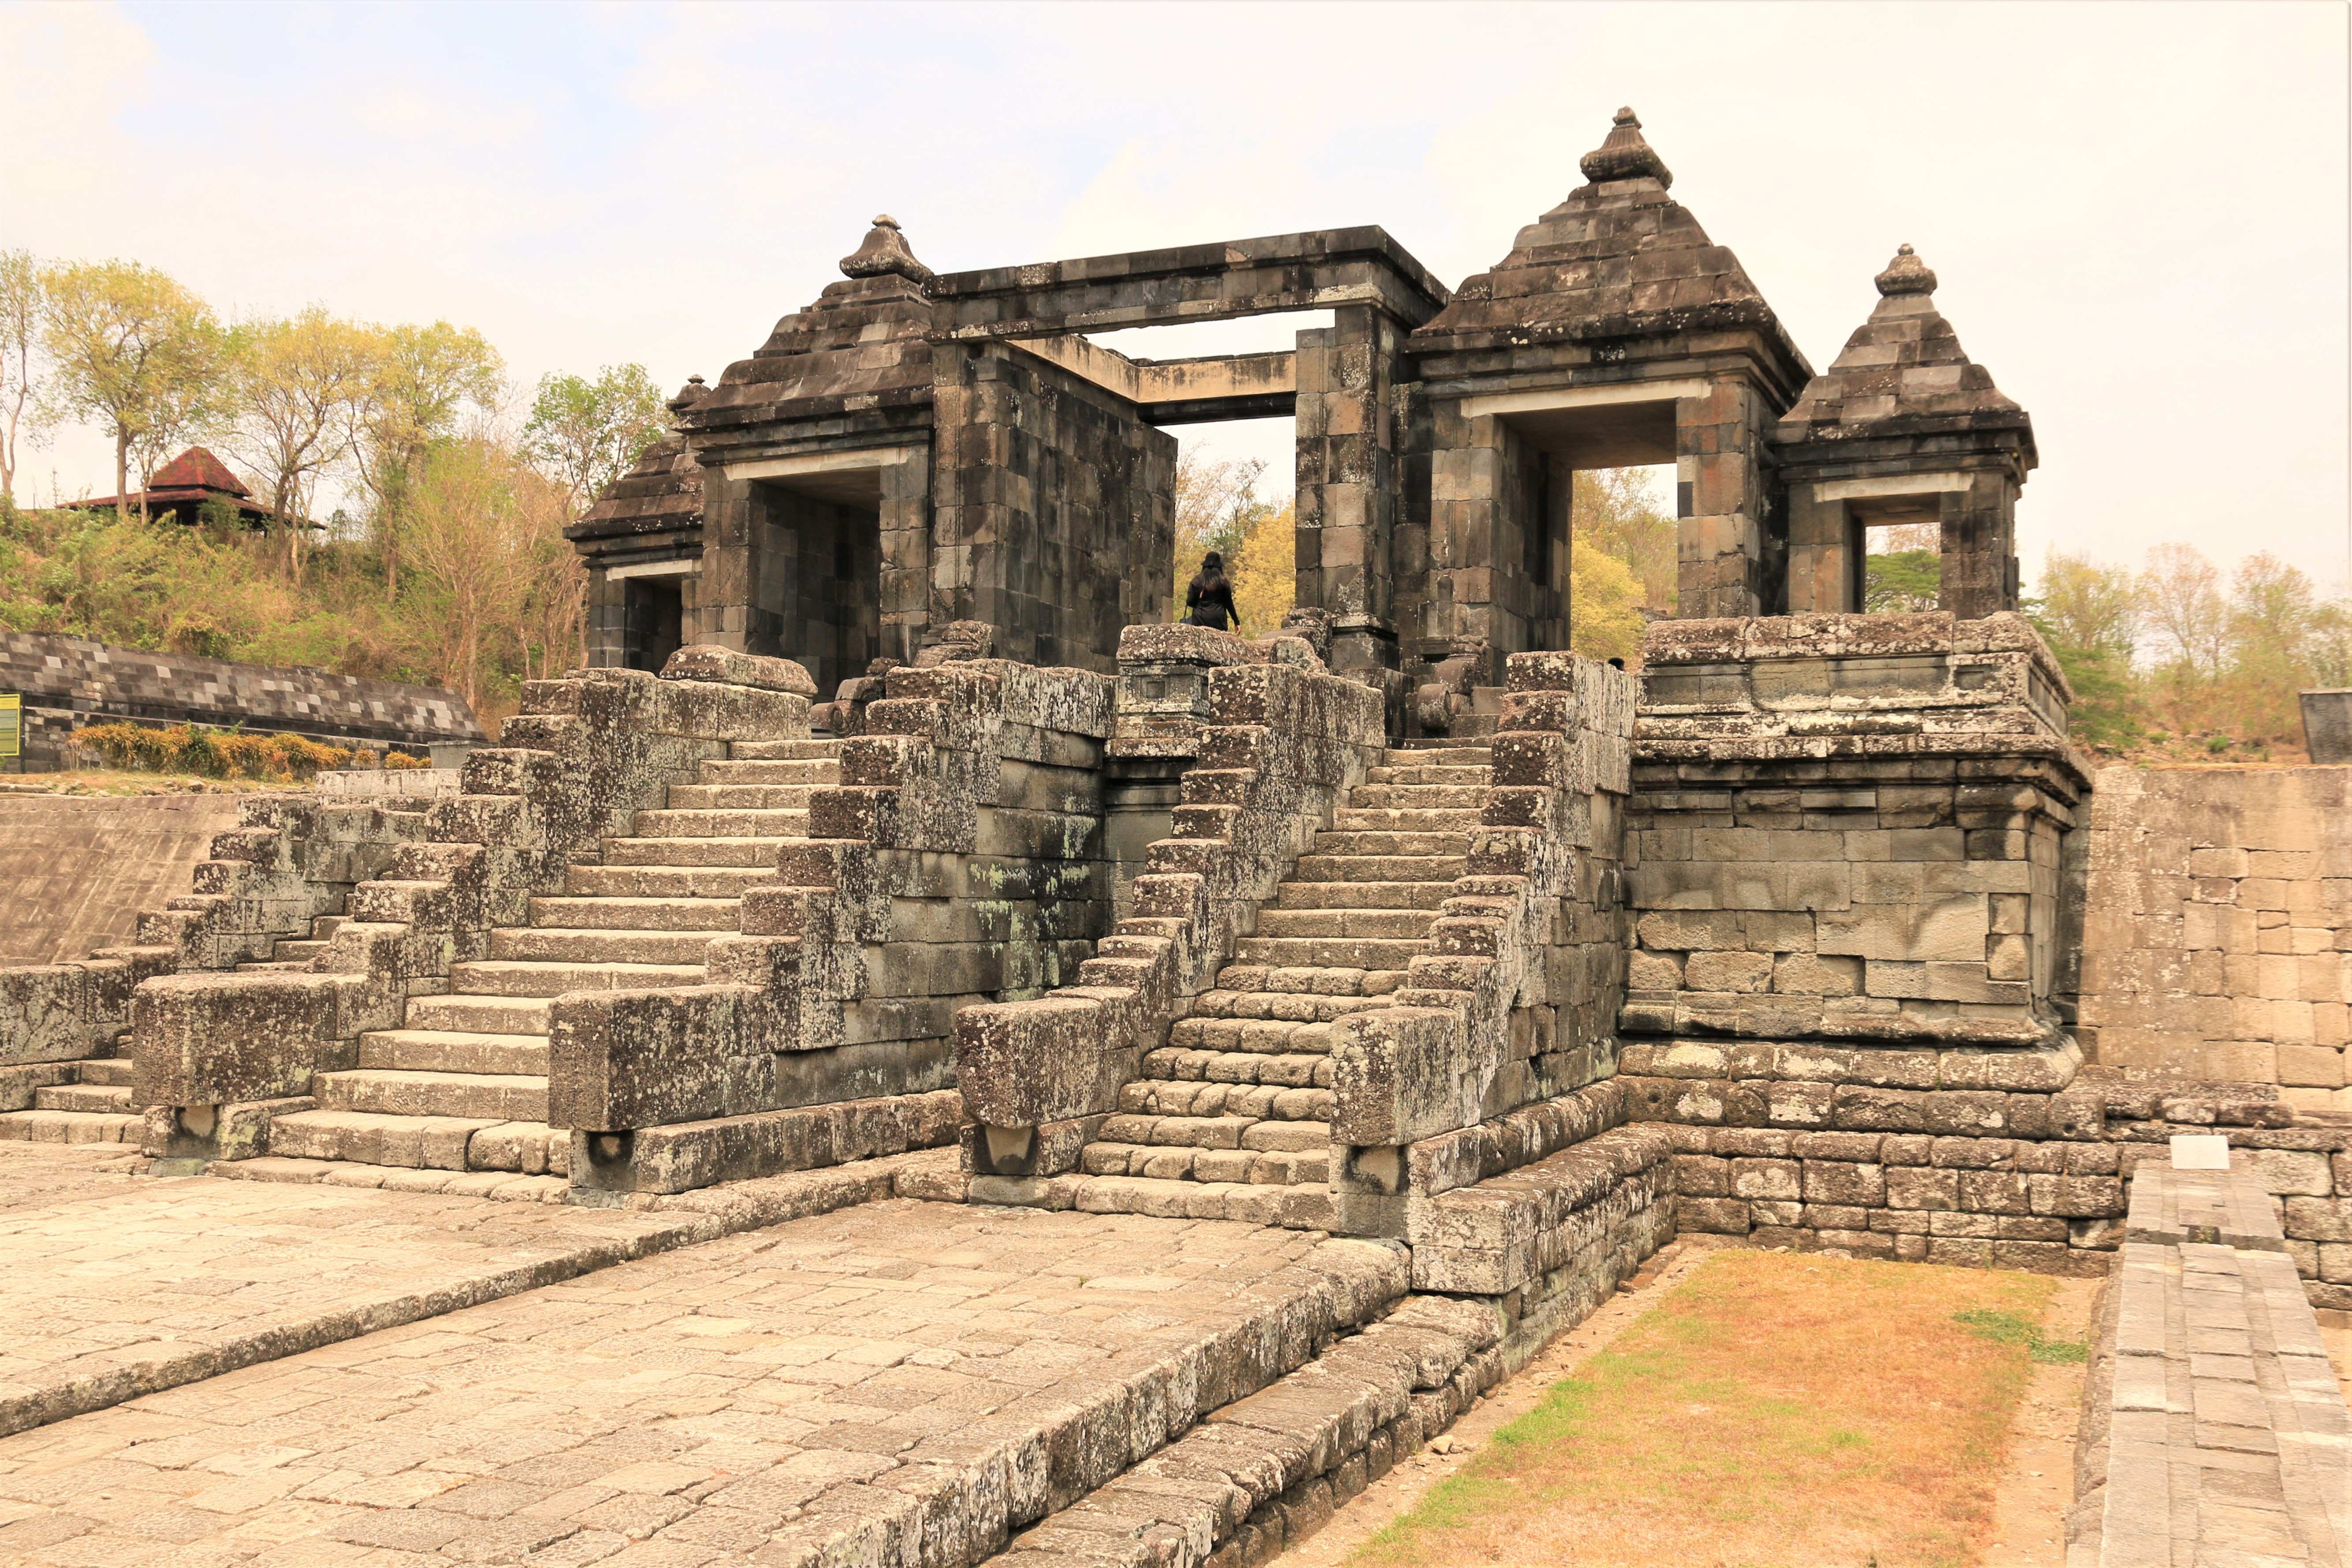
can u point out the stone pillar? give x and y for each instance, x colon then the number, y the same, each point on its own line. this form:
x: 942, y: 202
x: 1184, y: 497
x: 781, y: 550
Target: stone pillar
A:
x: 1349, y: 482
x: 1720, y: 494
x: 731, y: 526
x: 1978, y: 525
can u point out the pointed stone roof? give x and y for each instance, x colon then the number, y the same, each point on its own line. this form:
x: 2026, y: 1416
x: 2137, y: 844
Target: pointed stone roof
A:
x: 1619, y: 258
x: 864, y: 341
x: 1901, y: 371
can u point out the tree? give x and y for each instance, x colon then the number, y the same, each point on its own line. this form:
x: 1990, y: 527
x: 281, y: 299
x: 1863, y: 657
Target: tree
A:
x: 1615, y: 512
x: 1265, y: 571
x: 1216, y: 503
x: 1605, y: 602
x: 133, y: 350
x: 586, y: 434
x: 1905, y: 575
x: 2180, y: 603
x: 21, y: 300
x: 2090, y: 614
x: 297, y: 385
x: 470, y: 526
x: 426, y: 382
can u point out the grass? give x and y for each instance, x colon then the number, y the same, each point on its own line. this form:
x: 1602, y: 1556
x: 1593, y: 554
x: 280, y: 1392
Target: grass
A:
x: 1772, y: 1411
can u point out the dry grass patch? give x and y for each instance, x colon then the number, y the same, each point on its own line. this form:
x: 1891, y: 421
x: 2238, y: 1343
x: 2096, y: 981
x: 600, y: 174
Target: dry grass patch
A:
x: 1772, y: 1411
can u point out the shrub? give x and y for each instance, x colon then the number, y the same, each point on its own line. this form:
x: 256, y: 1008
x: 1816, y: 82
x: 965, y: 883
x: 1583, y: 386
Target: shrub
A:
x: 216, y: 754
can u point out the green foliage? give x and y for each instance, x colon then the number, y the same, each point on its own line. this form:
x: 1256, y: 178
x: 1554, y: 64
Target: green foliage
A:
x: 589, y: 433
x: 1901, y: 582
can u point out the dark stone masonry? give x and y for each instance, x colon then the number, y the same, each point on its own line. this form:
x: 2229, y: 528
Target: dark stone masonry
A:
x: 895, y: 846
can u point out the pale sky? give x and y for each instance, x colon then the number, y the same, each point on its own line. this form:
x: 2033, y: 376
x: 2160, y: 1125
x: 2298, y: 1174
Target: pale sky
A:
x: 2138, y: 211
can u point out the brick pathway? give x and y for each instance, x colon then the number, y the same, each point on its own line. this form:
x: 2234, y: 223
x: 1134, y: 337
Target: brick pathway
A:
x: 892, y: 1383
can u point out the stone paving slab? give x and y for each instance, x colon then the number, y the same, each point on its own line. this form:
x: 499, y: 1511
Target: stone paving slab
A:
x: 113, y: 1286
x: 2229, y: 1440
x: 900, y: 1382
x: 35, y: 1174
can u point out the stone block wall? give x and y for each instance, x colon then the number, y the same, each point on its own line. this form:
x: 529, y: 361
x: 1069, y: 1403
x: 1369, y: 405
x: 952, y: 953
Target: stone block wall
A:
x: 1853, y: 827
x: 2217, y: 940
x: 68, y: 682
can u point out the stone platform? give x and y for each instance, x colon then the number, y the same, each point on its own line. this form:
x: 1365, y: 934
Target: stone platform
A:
x: 901, y: 1381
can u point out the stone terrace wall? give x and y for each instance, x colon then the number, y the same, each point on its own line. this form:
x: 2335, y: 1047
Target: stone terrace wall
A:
x: 2218, y: 942
x: 79, y: 871
x: 68, y: 682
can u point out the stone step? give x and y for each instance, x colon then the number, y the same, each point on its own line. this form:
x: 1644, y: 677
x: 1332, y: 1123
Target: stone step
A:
x: 1175, y: 1063
x: 1390, y: 867
x: 1351, y: 819
x: 1285, y: 1007
x: 1256, y: 1167
x: 742, y: 796
x: 784, y: 751
x: 67, y: 1127
x: 297, y: 949
x: 1423, y: 895
x: 109, y: 1071
x: 672, y: 853
x: 104, y: 1099
x: 1317, y: 952
x: 324, y: 927
x: 499, y: 1097
x: 493, y: 1183
x: 1249, y: 1101
x: 457, y: 1012
x: 453, y: 1050
x: 667, y: 881
x: 1417, y: 797
x: 1299, y: 1208
x: 368, y: 1137
x: 1412, y: 774
x: 1412, y: 846
x: 1440, y: 756
x: 271, y: 965
x: 1264, y: 1036
x: 558, y: 944
x: 1300, y: 981
x: 637, y: 914
x: 502, y: 978
x: 816, y: 771
x: 1411, y: 924
x: 730, y: 823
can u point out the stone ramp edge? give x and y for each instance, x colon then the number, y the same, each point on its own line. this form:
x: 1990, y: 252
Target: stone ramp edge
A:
x: 703, y: 1215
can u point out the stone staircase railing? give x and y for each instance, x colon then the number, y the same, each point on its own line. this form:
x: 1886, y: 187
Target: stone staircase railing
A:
x: 1283, y: 743
x: 220, y: 1054
x: 959, y: 859
x: 291, y: 858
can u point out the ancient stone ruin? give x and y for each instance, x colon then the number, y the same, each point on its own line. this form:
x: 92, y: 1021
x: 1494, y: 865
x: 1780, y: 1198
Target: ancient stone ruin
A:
x: 893, y: 817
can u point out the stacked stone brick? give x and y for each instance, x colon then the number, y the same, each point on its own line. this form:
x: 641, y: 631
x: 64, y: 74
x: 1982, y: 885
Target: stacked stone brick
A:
x: 2218, y: 942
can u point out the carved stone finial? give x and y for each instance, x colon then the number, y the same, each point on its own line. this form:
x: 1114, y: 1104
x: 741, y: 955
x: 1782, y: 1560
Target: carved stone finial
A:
x: 1906, y: 274
x: 885, y: 250
x: 1624, y: 155
x: 692, y: 393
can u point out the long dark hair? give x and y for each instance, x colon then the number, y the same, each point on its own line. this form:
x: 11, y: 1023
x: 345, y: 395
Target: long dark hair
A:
x: 1211, y: 574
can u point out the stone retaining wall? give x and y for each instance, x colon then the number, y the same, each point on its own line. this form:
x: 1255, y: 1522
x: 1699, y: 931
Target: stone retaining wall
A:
x: 75, y: 871
x: 2218, y: 942
x: 68, y: 682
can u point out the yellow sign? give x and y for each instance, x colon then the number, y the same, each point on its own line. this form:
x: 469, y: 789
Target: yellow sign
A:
x: 11, y: 723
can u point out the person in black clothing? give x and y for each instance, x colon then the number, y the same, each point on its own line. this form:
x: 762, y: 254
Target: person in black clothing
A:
x: 1210, y: 599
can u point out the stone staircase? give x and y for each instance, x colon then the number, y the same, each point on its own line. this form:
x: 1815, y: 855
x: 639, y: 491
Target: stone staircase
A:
x: 94, y: 1107
x: 1232, y: 1118
x: 456, y: 1100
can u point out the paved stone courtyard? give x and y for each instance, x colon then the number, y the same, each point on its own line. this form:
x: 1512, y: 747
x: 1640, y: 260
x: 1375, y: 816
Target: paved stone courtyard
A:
x: 888, y: 1383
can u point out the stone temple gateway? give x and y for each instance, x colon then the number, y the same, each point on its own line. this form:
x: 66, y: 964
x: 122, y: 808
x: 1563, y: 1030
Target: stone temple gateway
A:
x: 894, y: 839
